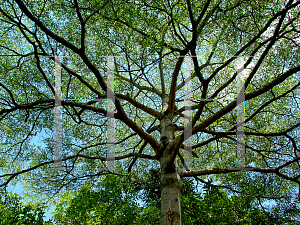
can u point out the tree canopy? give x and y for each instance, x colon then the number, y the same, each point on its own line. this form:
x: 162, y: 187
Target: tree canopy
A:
x: 14, y: 211
x: 201, y: 89
x: 211, y: 206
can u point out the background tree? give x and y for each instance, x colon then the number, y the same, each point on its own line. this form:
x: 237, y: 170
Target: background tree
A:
x: 14, y: 211
x: 128, y: 201
x: 110, y: 201
x: 151, y: 40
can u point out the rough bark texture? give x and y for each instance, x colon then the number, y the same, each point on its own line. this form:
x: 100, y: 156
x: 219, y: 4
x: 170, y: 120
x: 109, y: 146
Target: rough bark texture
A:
x: 171, y: 184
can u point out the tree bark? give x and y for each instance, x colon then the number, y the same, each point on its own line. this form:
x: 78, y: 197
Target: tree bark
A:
x: 171, y: 187
x: 171, y: 184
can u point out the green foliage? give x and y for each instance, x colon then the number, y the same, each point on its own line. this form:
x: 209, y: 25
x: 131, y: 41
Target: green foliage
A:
x: 14, y: 211
x: 114, y: 201
x: 108, y: 202
x: 148, y: 36
x: 216, y: 207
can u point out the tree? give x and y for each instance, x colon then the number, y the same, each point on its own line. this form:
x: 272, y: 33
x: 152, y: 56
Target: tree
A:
x: 13, y: 211
x: 107, y: 202
x: 158, y: 43
x: 94, y: 202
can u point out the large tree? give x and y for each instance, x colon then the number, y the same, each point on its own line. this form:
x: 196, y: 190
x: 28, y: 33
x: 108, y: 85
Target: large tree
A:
x: 150, y: 48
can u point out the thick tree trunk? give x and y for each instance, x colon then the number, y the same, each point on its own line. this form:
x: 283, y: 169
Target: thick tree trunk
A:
x: 171, y: 187
x: 171, y: 184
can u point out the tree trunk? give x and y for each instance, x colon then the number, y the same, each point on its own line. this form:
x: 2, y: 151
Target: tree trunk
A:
x: 171, y: 184
x: 171, y: 187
